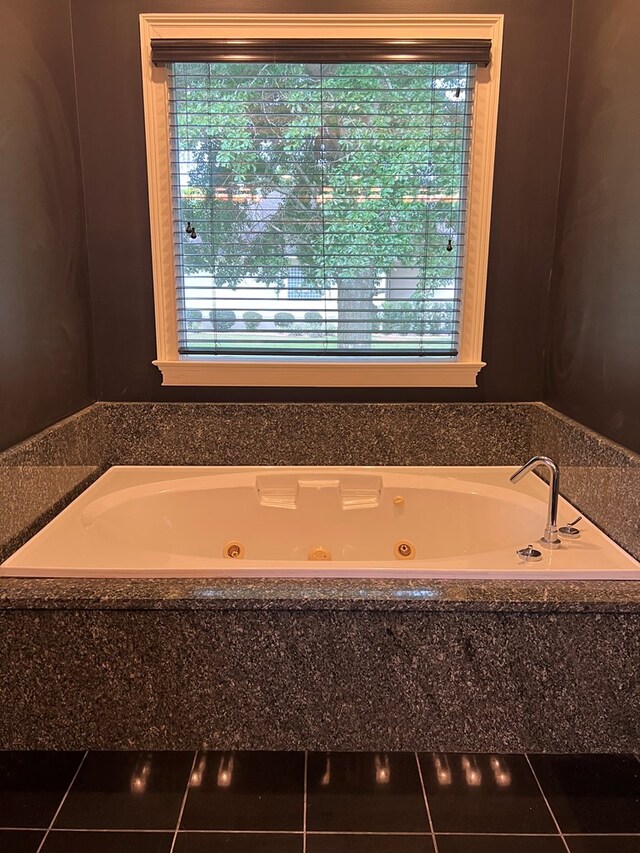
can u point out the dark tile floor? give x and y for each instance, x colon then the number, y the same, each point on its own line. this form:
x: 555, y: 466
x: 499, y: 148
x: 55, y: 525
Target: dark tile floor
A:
x: 257, y: 802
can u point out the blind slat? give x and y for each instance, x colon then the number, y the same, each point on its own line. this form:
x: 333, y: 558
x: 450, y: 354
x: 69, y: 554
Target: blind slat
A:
x: 409, y: 353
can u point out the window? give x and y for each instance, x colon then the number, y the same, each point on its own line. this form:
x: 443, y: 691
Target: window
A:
x: 358, y: 170
x: 319, y: 208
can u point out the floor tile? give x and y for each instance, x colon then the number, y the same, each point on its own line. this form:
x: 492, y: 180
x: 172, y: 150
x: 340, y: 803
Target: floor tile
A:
x: 365, y: 792
x: 591, y: 793
x: 127, y: 790
x: 238, y: 842
x: 20, y: 840
x: 499, y: 844
x: 604, y: 844
x: 64, y: 841
x: 369, y: 844
x: 255, y: 791
x: 484, y: 793
x: 32, y: 785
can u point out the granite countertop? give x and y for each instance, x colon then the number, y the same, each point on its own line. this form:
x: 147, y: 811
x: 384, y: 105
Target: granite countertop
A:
x: 319, y: 594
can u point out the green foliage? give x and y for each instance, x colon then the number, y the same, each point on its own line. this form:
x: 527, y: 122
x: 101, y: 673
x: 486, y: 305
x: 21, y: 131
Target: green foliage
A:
x: 193, y: 318
x: 397, y: 317
x: 222, y: 319
x: 414, y: 317
x: 252, y: 320
x: 438, y: 318
x: 313, y: 322
x: 283, y: 320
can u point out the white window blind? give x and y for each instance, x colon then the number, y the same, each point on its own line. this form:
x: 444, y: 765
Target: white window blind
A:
x: 319, y: 209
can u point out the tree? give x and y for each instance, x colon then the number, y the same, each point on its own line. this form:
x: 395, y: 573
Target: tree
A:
x: 352, y: 169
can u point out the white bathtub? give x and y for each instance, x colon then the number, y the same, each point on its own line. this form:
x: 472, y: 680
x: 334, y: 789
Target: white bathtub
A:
x: 313, y: 522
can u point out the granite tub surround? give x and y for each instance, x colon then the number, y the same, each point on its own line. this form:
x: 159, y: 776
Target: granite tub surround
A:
x: 340, y: 664
x: 47, y: 471
x: 30, y: 496
x: 598, y: 476
x: 342, y: 680
x: 76, y: 440
x: 44, y: 473
x: 316, y: 433
x: 314, y: 594
x: 41, y: 475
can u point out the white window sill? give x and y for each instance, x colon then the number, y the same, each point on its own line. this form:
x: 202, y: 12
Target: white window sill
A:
x: 311, y: 372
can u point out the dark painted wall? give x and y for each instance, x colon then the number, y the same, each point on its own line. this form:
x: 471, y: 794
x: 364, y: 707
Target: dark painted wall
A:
x: 527, y: 174
x: 44, y: 308
x: 593, y: 369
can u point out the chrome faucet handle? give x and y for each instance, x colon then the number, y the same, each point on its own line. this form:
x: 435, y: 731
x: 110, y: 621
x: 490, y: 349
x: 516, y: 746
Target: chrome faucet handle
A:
x: 529, y: 554
x: 570, y: 531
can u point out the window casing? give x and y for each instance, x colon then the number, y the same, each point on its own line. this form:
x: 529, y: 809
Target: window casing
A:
x: 183, y: 363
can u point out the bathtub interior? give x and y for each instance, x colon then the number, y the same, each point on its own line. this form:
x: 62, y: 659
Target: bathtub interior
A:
x: 312, y: 521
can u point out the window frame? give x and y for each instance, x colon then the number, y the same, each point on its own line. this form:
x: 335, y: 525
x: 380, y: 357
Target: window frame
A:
x: 346, y: 371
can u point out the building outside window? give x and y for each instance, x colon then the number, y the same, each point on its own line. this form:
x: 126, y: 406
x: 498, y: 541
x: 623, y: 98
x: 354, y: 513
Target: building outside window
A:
x: 297, y: 287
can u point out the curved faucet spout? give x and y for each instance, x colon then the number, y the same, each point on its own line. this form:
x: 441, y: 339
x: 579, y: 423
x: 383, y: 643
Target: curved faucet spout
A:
x: 550, y: 537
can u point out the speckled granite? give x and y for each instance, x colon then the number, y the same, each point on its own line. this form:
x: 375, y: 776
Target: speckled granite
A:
x: 323, y: 664
x: 76, y: 440
x: 44, y: 473
x: 31, y: 495
x: 40, y: 476
x: 331, y: 680
x: 316, y: 434
x: 495, y: 596
x: 599, y: 477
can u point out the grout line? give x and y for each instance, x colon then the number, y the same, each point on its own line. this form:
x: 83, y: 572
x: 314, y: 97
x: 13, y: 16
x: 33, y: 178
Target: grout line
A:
x: 121, y: 830
x: 184, y: 801
x: 319, y: 832
x: 172, y: 831
x: 502, y: 834
x: 602, y: 835
x: 426, y: 803
x: 544, y: 797
x: 358, y: 833
x: 62, y: 802
x: 394, y: 833
x: 304, y: 801
x: 23, y: 828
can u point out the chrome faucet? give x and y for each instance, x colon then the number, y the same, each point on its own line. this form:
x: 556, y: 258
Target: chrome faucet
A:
x: 550, y: 537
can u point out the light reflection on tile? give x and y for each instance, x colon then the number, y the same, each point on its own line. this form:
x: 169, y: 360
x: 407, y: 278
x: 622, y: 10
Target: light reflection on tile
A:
x: 365, y: 792
x: 238, y: 791
x: 477, y: 793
